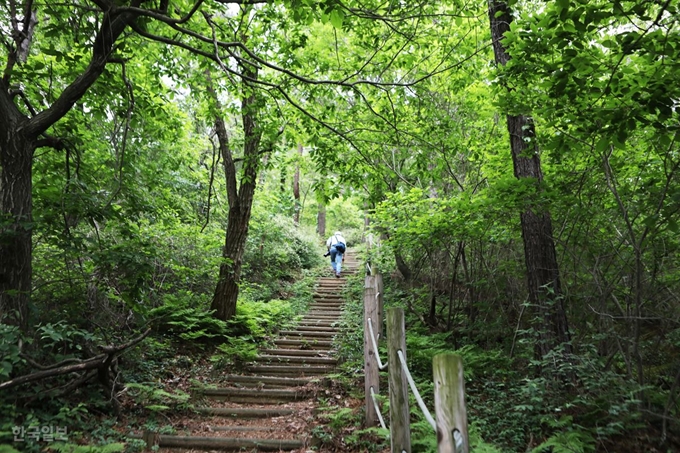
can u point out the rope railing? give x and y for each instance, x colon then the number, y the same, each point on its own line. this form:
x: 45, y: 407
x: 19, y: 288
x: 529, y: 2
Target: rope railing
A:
x: 381, y: 366
x: 377, y: 409
x: 450, y: 420
x: 416, y: 393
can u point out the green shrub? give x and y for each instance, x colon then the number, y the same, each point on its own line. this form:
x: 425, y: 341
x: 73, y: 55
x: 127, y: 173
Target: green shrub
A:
x: 9, y: 350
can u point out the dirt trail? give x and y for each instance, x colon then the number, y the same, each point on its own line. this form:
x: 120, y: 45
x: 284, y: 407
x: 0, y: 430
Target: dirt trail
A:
x: 271, y: 406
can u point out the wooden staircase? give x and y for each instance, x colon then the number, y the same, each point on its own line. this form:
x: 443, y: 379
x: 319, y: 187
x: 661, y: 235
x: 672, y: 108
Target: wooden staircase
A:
x: 272, y: 406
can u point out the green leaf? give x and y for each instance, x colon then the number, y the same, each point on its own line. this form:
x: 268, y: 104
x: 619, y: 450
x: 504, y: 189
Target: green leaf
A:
x: 336, y: 18
x: 602, y: 144
x: 562, y: 4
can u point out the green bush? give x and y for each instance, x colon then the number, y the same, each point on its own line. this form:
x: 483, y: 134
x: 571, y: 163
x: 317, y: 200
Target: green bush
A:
x: 9, y: 350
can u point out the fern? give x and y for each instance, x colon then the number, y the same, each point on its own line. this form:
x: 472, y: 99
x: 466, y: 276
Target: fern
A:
x: 182, y: 316
x: 156, y: 399
x: 571, y: 441
x: 8, y: 449
x: 72, y: 448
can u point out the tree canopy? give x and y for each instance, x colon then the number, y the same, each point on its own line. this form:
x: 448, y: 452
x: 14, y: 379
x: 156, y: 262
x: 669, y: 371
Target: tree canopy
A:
x: 518, y: 160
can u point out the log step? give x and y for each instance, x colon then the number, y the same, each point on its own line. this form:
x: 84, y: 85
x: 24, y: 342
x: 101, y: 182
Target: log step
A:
x: 325, y: 311
x: 328, y: 300
x: 265, y: 380
x: 291, y: 370
x: 310, y: 335
x: 245, y: 412
x: 316, y: 329
x: 296, y: 352
x: 332, y: 322
x: 247, y: 429
x: 296, y: 359
x: 260, y: 396
x: 305, y: 344
x: 226, y: 443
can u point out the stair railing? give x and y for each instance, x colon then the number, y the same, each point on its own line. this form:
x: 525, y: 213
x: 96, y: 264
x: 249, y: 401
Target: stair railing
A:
x: 450, y: 420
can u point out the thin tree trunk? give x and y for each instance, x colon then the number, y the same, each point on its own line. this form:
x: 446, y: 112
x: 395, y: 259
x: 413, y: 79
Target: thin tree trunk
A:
x: 545, y: 292
x: 296, y: 188
x: 321, y: 220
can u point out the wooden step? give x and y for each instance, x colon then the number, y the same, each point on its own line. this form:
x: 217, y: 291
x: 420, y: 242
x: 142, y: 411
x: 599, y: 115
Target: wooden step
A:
x: 327, y: 303
x: 291, y: 370
x: 226, y: 443
x: 324, y: 315
x: 329, y: 300
x: 248, y: 429
x: 300, y: 328
x: 318, y: 322
x: 298, y: 352
x: 264, y: 380
x: 304, y: 344
x: 245, y: 412
x: 322, y: 319
x: 296, y: 359
x: 328, y: 308
x: 257, y: 396
x: 308, y: 335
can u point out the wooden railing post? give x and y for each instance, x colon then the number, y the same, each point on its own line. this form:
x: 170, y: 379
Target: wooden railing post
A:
x: 400, y: 427
x: 379, y: 329
x: 371, y: 369
x: 449, y: 404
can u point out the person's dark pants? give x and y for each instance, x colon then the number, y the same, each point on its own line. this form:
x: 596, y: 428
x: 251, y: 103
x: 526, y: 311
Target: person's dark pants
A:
x: 336, y: 260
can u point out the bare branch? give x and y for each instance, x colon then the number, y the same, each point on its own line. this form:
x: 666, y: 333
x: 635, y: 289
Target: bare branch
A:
x: 91, y: 363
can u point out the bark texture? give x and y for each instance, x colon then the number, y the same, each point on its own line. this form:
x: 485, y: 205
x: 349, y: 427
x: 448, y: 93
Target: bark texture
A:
x: 545, y: 292
x: 16, y: 223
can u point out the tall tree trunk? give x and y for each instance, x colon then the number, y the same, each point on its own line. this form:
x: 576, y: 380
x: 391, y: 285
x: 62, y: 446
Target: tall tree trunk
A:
x: 545, y: 292
x: 240, y: 197
x: 296, y: 188
x: 16, y: 223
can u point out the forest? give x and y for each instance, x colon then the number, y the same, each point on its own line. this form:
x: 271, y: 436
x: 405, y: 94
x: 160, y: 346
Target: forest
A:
x: 171, y: 169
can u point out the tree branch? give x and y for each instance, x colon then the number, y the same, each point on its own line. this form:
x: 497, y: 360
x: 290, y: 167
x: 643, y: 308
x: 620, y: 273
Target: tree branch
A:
x: 95, y: 362
x: 112, y: 27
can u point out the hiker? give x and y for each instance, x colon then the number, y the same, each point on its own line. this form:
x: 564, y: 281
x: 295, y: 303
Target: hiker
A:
x: 336, y: 246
